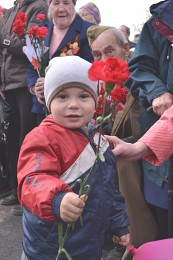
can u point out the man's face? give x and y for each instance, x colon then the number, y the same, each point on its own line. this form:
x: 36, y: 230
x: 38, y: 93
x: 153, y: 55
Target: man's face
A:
x: 105, y: 45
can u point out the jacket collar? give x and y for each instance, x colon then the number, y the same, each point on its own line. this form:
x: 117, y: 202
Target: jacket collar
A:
x: 164, y: 12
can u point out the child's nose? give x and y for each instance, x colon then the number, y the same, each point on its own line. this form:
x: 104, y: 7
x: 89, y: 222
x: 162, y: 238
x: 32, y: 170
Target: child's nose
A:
x: 73, y: 102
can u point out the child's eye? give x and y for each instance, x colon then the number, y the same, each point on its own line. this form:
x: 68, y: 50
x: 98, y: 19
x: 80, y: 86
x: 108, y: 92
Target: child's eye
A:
x: 62, y: 96
x: 84, y: 96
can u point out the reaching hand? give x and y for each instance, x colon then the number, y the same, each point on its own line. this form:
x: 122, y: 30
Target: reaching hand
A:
x: 127, y: 151
x: 72, y: 206
x: 162, y: 103
x: 123, y: 240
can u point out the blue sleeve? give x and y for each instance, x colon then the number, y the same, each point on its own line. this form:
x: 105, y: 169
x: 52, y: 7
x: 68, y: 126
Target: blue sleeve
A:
x: 146, y: 65
x: 119, y: 220
x: 32, y: 76
x: 56, y: 204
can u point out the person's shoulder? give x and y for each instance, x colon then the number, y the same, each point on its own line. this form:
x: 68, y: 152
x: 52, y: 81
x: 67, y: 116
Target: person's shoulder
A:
x: 38, y: 2
x: 84, y: 24
x: 40, y: 5
x: 159, y: 7
x: 46, y: 130
x: 32, y: 8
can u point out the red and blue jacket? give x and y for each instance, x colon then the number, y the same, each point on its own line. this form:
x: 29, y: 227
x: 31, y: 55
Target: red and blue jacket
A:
x: 51, y: 159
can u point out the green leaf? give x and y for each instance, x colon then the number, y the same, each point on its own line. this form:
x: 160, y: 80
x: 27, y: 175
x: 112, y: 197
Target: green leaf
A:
x: 87, y: 189
x: 67, y: 254
x: 71, y: 226
x: 99, y: 119
x: 81, y: 219
x: 76, y: 182
x: 60, y: 235
x: 101, y: 157
x: 109, y: 87
x: 107, y: 118
x: 101, y: 151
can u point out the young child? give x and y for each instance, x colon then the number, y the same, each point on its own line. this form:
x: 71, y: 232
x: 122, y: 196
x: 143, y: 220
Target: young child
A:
x: 57, y: 153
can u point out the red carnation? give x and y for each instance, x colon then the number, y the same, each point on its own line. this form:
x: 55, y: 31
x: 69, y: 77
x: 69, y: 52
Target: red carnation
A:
x: 112, y: 70
x: 21, y: 16
x: 19, y: 24
x: 33, y: 30
x: 41, y: 32
x: 19, y: 28
x: 40, y: 17
x: 118, y: 95
x: 38, y: 32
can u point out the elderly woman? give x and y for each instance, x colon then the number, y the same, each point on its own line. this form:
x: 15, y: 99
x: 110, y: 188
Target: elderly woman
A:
x: 67, y: 36
x: 90, y: 13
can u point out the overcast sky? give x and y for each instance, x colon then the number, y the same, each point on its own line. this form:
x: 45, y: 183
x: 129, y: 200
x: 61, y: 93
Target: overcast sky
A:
x: 114, y: 12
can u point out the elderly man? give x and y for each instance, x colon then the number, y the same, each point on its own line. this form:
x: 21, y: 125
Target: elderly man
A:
x: 108, y: 41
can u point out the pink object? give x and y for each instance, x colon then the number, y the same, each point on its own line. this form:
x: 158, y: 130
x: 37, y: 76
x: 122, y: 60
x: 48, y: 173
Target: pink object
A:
x: 1, y: 8
x: 159, y: 138
x: 155, y: 250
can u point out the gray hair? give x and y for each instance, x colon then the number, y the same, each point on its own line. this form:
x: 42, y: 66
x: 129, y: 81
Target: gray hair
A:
x: 120, y: 38
x: 49, y: 15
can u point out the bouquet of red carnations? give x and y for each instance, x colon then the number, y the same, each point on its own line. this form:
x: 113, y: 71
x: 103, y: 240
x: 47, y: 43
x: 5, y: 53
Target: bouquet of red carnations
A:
x: 34, y: 39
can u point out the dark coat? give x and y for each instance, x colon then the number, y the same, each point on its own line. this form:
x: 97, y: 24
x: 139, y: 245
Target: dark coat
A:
x: 151, y: 75
x: 126, y: 126
x: 15, y: 62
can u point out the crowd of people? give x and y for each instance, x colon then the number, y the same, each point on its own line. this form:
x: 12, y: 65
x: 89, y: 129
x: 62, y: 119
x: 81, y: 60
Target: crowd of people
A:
x: 46, y: 154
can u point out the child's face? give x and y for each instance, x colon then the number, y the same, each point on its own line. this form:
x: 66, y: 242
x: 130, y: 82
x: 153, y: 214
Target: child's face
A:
x: 73, y: 108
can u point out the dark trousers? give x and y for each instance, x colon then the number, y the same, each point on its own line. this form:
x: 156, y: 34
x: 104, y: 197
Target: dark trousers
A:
x: 21, y: 122
x: 38, y: 118
x: 161, y: 217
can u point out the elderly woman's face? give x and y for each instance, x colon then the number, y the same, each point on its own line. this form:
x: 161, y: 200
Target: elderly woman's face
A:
x: 62, y: 13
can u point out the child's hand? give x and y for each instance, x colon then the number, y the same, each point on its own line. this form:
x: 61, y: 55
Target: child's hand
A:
x: 123, y: 241
x: 72, y: 206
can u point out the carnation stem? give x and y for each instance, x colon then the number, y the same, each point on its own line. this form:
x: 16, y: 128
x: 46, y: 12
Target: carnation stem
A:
x: 101, y: 124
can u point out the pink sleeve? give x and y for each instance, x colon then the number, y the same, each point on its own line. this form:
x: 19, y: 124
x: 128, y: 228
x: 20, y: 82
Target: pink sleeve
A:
x: 159, y: 138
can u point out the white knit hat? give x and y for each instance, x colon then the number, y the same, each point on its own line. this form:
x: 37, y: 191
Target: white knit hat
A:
x: 67, y: 72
